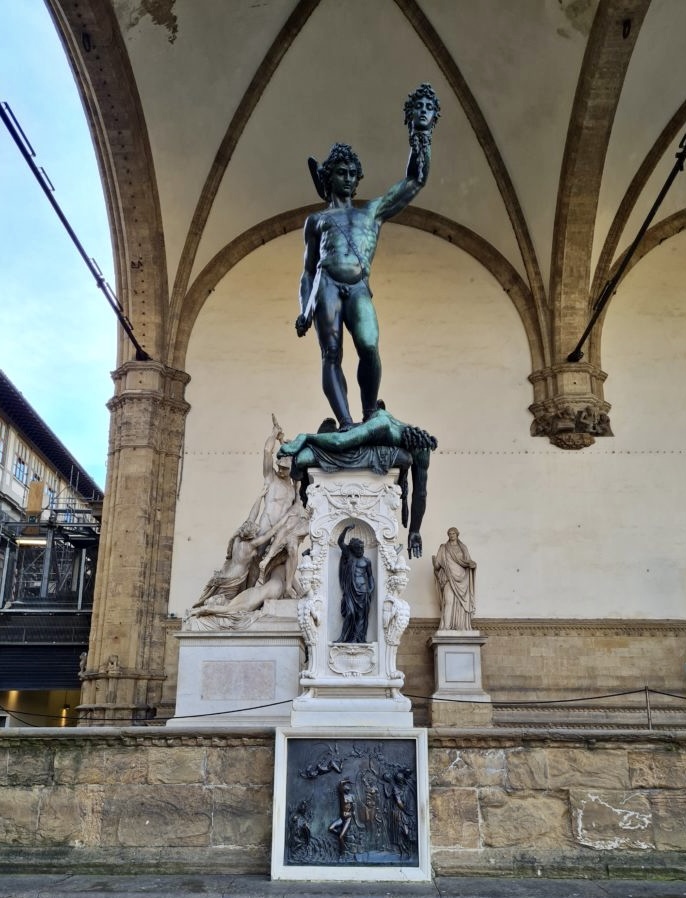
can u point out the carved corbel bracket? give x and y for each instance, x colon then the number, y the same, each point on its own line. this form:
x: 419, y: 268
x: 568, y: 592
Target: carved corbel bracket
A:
x: 569, y: 407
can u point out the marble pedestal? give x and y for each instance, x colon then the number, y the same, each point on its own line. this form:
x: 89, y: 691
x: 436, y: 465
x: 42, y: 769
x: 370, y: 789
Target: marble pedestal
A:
x: 353, y: 684
x: 351, y: 773
x: 226, y: 677
x: 459, y: 699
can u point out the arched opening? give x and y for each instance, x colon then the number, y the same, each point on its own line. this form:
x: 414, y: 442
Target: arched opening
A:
x: 57, y: 345
x: 455, y: 357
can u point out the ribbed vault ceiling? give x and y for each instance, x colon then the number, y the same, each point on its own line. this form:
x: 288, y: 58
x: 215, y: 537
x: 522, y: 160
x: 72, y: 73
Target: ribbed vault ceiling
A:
x: 560, y: 120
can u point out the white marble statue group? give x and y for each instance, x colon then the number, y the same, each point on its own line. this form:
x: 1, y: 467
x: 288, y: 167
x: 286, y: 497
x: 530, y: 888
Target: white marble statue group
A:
x: 262, y: 555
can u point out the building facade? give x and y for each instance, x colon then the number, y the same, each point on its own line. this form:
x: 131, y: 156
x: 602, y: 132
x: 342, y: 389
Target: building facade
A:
x: 49, y: 533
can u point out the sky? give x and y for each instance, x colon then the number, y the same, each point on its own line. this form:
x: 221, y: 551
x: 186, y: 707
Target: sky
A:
x: 57, y: 332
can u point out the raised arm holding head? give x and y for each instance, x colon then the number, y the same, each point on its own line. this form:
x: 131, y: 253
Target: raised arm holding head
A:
x: 341, y: 539
x: 422, y: 111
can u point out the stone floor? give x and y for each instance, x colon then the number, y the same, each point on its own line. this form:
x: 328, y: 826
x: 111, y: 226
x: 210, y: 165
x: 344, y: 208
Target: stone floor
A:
x: 227, y: 886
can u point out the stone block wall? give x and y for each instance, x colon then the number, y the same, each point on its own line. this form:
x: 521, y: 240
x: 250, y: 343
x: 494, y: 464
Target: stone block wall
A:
x: 155, y: 800
x: 548, y: 805
x: 544, y: 661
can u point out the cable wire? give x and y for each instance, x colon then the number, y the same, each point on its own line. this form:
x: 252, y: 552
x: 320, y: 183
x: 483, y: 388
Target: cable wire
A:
x: 17, y: 133
x: 501, y: 704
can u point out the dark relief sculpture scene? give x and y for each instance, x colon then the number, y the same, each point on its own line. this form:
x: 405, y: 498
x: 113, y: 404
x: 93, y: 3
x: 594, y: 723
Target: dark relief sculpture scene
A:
x: 350, y: 802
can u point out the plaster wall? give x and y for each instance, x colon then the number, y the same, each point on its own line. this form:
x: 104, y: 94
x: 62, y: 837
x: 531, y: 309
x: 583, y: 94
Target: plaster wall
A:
x: 556, y: 534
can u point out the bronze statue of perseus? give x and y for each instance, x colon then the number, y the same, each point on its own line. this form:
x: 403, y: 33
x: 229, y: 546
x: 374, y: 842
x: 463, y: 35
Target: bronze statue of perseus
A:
x: 340, y: 242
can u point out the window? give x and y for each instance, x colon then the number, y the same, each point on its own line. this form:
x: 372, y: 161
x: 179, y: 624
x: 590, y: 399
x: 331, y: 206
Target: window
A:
x: 21, y: 469
x: 3, y: 442
x: 52, y: 497
x: 37, y: 470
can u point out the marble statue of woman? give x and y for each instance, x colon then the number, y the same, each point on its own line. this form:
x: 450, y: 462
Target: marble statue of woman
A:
x: 454, y: 572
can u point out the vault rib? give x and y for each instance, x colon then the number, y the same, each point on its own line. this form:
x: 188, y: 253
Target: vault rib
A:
x: 440, y: 53
x: 114, y: 113
x: 245, y: 109
x: 611, y: 43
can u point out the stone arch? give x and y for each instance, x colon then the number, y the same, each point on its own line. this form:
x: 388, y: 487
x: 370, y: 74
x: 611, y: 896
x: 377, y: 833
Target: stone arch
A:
x: 422, y: 219
x: 664, y: 230
x: 98, y: 57
x: 606, y: 60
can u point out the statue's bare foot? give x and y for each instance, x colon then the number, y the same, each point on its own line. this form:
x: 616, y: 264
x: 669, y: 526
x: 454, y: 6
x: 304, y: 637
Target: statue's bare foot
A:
x: 292, y: 447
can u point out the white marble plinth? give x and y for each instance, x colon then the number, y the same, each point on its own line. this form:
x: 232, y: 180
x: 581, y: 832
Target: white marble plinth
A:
x: 227, y: 677
x: 341, y: 753
x: 357, y: 684
x: 460, y: 698
x: 368, y: 705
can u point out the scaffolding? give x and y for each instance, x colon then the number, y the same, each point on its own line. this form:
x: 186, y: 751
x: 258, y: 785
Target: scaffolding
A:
x: 49, y: 565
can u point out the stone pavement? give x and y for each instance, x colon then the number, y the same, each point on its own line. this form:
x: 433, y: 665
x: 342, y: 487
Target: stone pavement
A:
x: 227, y: 886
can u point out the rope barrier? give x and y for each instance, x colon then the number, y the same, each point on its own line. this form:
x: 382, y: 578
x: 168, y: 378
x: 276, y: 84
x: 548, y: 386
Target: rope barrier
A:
x: 534, y: 703
x: 18, y: 715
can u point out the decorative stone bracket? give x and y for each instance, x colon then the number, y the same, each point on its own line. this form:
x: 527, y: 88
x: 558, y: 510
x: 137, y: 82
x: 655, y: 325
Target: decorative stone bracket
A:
x: 568, y: 406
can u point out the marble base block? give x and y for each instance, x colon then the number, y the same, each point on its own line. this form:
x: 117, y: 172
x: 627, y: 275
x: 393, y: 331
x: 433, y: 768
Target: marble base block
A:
x: 361, y: 705
x: 459, y: 699
x: 227, y: 677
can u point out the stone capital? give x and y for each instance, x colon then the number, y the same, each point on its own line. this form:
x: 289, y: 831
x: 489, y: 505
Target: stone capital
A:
x: 569, y: 407
x: 150, y: 377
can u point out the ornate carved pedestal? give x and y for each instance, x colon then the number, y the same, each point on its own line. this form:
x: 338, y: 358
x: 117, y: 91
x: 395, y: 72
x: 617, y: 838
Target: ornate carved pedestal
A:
x: 459, y: 699
x: 353, y: 684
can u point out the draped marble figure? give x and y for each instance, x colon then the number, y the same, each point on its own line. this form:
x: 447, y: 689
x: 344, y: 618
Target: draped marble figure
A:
x: 454, y: 571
